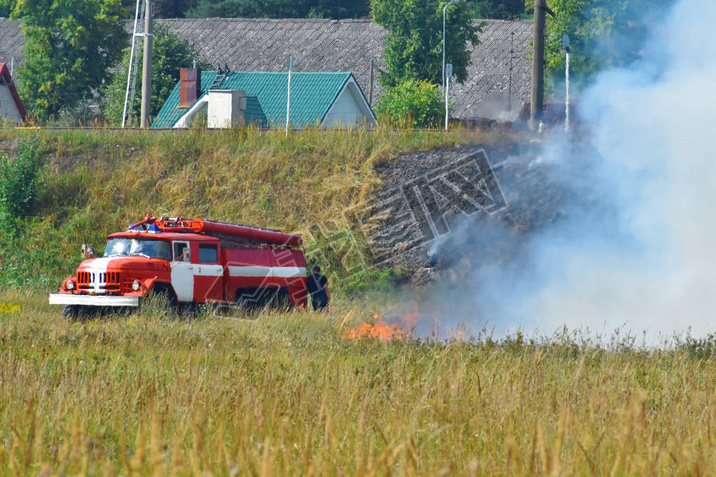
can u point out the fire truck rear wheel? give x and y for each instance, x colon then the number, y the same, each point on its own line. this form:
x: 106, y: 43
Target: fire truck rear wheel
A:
x: 254, y: 300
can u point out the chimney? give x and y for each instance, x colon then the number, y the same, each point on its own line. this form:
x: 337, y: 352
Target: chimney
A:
x: 190, y: 87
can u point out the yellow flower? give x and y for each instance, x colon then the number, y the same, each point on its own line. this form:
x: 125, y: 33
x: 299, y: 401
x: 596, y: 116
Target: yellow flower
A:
x: 9, y: 308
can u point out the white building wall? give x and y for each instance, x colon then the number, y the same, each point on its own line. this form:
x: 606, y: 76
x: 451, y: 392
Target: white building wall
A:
x: 226, y: 108
x: 8, y: 108
x: 346, y: 111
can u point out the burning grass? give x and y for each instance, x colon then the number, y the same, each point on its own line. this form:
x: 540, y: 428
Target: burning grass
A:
x: 377, y: 329
x: 288, y: 395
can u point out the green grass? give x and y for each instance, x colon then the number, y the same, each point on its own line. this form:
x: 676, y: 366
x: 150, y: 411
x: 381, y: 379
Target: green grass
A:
x: 286, y: 394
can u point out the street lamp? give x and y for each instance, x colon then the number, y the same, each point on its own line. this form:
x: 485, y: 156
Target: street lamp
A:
x: 444, y: 10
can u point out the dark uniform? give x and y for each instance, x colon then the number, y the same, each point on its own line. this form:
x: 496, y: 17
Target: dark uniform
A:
x: 316, y: 284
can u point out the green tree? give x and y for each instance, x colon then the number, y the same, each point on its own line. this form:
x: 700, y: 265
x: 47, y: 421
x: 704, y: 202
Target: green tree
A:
x: 412, y: 103
x: 500, y: 9
x: 280, y: 9
x: 602, y: 33
x: 173, y: 8
x: 169, y: 54
x: 413, y: 45
x: 69, y: 47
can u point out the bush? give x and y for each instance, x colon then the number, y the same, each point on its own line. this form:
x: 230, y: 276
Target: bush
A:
x: 412, y: 103
x: 19, y: 178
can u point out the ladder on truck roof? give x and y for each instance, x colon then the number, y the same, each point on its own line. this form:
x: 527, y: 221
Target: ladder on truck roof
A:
x: 227, y: 229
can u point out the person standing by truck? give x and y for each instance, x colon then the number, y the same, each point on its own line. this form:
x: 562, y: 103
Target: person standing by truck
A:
x: 317, y: 286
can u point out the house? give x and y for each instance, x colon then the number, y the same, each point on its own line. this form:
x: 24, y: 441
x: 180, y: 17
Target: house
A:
x: 11, y: 107
x: 499, y: 78
x: 229, y: 99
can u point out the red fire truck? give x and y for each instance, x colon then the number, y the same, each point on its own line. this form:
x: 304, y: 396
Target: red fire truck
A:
x: 190, y: 261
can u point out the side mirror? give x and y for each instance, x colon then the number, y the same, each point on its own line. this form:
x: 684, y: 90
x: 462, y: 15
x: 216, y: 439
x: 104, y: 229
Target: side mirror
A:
x: 87, y: 252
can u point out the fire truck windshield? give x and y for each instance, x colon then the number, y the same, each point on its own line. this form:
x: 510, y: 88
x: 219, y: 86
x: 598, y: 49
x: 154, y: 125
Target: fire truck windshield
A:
x: 140, y: 247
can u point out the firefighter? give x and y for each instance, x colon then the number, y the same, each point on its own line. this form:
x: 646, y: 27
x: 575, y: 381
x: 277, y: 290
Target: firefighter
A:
x: 317, y: 285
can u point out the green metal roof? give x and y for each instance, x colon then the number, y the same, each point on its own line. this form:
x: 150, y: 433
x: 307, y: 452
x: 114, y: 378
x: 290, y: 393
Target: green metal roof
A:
x: 312, y: 95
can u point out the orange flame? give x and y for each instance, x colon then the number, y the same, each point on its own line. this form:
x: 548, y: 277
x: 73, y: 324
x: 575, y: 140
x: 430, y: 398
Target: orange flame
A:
x: 378, y: 330
x: 383, y: 331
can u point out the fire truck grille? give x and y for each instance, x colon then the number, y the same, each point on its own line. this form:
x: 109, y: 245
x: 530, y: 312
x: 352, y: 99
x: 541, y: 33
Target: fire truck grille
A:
x: 107, y: 282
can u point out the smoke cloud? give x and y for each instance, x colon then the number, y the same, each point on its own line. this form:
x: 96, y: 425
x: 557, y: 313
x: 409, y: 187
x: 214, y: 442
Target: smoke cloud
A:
x: 636, y: 251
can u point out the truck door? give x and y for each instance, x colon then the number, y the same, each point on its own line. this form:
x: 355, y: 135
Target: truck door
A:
x: 208, y: 274
x: 182, y: 272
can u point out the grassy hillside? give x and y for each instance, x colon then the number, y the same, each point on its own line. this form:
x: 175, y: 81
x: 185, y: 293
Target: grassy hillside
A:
x: 95, y: 183
x: 290, y: 395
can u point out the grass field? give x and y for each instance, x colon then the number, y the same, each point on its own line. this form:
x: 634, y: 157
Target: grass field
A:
x: 287, y: 394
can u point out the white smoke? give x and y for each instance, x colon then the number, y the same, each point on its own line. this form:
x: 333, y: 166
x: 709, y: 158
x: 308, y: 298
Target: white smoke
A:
x: 644, y: 261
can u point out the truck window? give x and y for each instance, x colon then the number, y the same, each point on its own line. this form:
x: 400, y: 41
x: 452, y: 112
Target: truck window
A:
x: 182, y: 253
x: 208, y: 253
x: 144, y: 248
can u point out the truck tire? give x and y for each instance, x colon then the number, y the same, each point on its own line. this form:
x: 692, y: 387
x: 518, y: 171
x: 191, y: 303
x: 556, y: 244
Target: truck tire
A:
x: 165, y: 293
x: 253, y: 300
x: 282, y: 300
x: 70, y: 312
x: 79, y: 313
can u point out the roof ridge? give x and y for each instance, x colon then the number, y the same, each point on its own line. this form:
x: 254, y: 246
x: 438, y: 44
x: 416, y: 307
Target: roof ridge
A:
x: 277, y: 20
x: 312, y: 20
x: 284, y: 72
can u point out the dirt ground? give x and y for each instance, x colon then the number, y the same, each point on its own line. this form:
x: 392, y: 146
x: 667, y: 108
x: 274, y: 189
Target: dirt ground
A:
x: 428, y: 234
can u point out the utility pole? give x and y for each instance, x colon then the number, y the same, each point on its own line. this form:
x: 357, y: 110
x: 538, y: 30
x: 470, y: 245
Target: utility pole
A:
x: 370, y: 95
x: 147, y: 66
x: 448, y: 75
x: 288, y: 93
x: 537, y: 103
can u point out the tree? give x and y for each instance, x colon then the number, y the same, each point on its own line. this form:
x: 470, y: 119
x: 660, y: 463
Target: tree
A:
x: 280, y: 9
x: 500, y: 9
x: 173, y: 8
x: 413, y: 45
x: 412, y: 103
x: 162, y: 8
x: 602, y: 33
x: 69, y: 47
x: 169, y: 54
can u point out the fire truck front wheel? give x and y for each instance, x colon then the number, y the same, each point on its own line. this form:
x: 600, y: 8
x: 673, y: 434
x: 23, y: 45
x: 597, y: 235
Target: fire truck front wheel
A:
x: 76, y: 312
x: 69, y: 312
x: 164, y: 293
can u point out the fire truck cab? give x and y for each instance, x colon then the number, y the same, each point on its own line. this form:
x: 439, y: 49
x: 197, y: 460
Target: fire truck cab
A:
x: 190, y: 261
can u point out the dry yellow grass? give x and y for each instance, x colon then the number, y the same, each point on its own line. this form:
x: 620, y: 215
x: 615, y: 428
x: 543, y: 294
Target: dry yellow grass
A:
x: 287, y: 395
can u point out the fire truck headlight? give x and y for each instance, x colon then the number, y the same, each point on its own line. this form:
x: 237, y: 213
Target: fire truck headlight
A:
x: 70, y: 285
x: 136, y: 285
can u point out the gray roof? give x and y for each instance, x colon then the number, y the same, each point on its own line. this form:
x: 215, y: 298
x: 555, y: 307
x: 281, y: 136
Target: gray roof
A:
x: 344, y: 45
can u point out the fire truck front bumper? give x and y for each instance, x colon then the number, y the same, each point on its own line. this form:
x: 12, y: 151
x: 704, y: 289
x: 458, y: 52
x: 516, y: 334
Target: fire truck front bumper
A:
x: 90, y: 300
